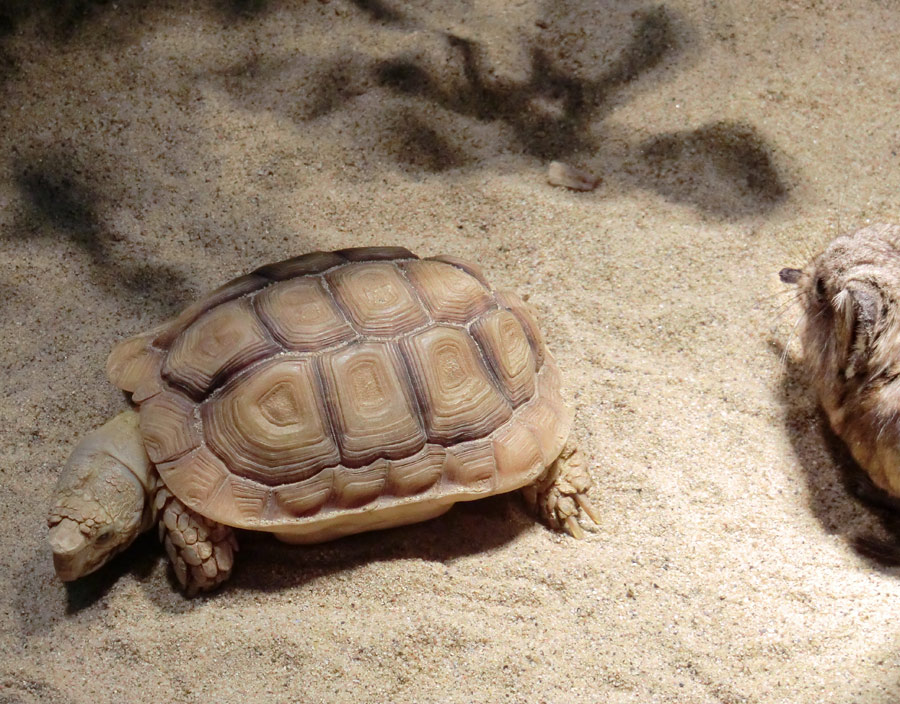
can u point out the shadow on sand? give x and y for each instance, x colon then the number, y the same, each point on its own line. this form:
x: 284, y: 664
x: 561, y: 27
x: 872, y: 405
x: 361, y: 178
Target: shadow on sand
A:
x: 558, y: 111
x: 841, y: 495
x: 265, y: 564
x: 62, y: 203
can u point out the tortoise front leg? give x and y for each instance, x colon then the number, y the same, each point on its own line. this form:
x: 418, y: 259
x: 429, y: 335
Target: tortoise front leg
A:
x: 561, y: 490
x: 201, y: 551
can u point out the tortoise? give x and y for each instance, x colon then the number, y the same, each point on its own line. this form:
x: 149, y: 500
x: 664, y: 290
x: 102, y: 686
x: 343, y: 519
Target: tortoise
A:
x: 324, y: 395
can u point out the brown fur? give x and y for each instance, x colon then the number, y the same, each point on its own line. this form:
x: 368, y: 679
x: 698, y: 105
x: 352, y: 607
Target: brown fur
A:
x: 851, y: 344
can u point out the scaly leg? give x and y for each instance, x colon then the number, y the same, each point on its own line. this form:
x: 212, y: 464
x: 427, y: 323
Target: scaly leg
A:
x: 561, y: 490
x: 201, y: 550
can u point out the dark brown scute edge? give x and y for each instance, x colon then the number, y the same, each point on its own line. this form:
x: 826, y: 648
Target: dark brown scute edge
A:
x: 235, y: 288
x: 226, y: 375
x: 463, y: 265
x: 487, y: 359
x: 261, y: 277
x: 366, y: 254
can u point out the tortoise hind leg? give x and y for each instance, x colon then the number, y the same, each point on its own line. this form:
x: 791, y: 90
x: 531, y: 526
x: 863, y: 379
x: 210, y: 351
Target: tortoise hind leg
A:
x: 561, y: 491
x: 201, y: 551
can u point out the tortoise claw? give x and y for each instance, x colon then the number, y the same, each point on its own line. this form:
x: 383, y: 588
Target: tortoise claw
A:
x: 573, y: 528
x: 592, y: 511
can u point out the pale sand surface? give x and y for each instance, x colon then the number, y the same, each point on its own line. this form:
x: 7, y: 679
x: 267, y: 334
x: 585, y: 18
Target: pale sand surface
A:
x: 150, y: 152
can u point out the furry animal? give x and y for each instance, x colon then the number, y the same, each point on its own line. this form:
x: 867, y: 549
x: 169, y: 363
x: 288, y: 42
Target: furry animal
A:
x: 850, y: 333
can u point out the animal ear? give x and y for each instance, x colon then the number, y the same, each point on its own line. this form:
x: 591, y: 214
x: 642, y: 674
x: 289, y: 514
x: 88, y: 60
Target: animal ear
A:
x: 866, y: 306
x: 862, y: 310
x: 790, y: 276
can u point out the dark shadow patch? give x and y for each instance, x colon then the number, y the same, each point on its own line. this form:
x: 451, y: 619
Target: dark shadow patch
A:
x: 652, y: 40
x: 422, y: 148
x: 550, y: 112
x: 58, y: 201
x: 160, y: 282
x: 335, y: 84
x: 9, y: 67
x: 404, y: 76
x: 303, y: 88
x: 62, y: 20
x: 378, y: 11
x: 242, y: 9
x: 8, y: 64
x: 138, y: 560
x: 7, y: 22
x: 842, y: 497
x: 61, y: 203
x: 724, y: 167
x: 265, y: 564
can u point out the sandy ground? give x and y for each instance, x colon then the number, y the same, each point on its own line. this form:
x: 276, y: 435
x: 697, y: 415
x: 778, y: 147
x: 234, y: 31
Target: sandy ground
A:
x: 150, y: 151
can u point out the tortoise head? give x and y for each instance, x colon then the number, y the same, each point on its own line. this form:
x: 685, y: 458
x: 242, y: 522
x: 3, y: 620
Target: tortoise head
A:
x: 100, y: 504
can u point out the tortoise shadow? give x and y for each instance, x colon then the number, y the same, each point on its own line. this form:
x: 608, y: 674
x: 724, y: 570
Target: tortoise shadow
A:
x: 841, y: 495
x: 138, y: 560
x: 264, y: 564
x: 38, y: 589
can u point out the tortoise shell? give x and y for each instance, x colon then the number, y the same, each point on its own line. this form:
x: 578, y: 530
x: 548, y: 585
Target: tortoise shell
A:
x: 337, y: 384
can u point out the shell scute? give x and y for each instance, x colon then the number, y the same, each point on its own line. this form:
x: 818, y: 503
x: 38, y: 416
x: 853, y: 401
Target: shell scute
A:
x: 302, y: 316
x: 271, y: 423
x: 517, y: 454
x: 472, y: 466
x: 247, y: 500
x: 195, y: 478
x: 508, y: 352
x: 526, y: 316
x: 373, y: 413
x: 418, y: 473
x: 228, y: 292
x: 221, y: 341
x: 358, y: 486
x: 548, y: 427
x: 304, y: 265
x: 306, y: 497
x: 451, y: 294
x: 132, y: 361
x: 377, y: 299
x: 470, y: 268
x: 458, y: 399
x: 168, y: 426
